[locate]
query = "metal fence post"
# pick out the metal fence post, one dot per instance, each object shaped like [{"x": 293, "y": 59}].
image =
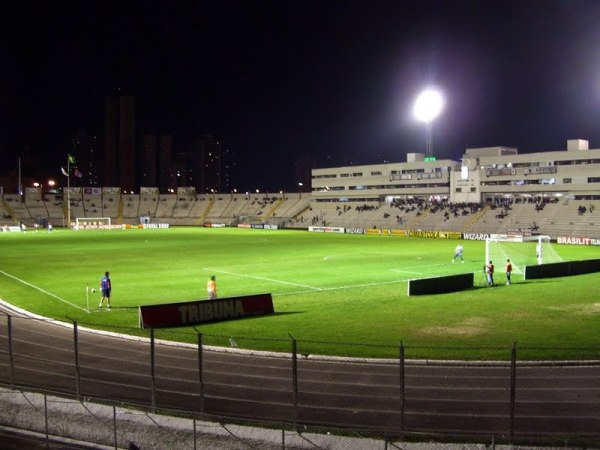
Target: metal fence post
[
  {"x": 115, "y": 427},
  {"x": 294, "y": 369},
  {"x": 201, "y": 370},
  {"x": 402, "y": 383},
  {"x": 46, "y": 427},
  {"x": 152, "y": 371},
  {"x": 194, "y": 433},
  {"x": 513, "y": 383},
  {"x": 11, "y": 359},
  {"x": 77, "y": 368}
]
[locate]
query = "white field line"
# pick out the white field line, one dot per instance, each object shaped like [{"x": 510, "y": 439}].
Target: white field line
[
  {"x": 44, "y": 291},
  {"x": 335, "y": 288},
  {"x": 350, "y": 286},
  {"x": 405, "y": 271},
  {"x": 264, "y": 279}
]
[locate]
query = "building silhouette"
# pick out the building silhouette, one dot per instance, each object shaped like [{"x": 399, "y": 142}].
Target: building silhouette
[
  {"x": 87, "y": 159},
  {"x": 120, "y": 143},
  {"x": 209, "y": 165}
]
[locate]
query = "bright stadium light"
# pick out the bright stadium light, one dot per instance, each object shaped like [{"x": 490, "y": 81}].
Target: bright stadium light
[{"x": 428, "y": 106}]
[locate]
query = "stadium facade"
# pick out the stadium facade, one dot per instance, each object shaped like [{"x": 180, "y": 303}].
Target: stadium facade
[
  {"x": 491, "y": 190},
  {"x": 490, "y": 174}
]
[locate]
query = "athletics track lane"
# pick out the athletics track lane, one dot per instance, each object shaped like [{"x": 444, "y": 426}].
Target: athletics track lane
[{"x": 440, "y": 399}]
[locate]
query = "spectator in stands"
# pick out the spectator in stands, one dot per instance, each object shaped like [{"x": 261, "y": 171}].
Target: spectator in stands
[
  {"x": 211, "y": 288},
  {"x": 508, "y": 269}
]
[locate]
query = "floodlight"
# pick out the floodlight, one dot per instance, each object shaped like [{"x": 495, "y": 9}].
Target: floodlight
[{"x": 428, "y": 105}]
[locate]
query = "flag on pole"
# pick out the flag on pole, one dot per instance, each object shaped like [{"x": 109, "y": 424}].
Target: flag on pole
[
  {"x": 64, "y": 172},
  {"x": 70, "y": 158},
  {"x": 77, "y": 173}
]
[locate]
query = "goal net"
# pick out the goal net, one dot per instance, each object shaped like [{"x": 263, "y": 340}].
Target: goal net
[
  {"x": 521, "y": 250},
  {"x": 86, "y": 223}
]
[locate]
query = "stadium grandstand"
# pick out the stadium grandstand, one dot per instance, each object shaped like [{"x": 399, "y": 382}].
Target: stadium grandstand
[{"x": 491, "y": 190}]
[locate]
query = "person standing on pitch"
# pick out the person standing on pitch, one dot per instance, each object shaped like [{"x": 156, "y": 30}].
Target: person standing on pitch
[
  {"x": 105, "y": 287},
  {"x": 211, "y": 288},
  {"x": 458, "y": 253},
  {"x": 489, "y": 271},
  {"x": 508, "y": 269}
]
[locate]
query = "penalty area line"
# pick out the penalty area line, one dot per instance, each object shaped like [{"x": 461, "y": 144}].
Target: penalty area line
[
  {"x": 312, "y": 288},
  {"x": 43, "y": 291},
  {"x": 340, "y": 288},
  {"x": 406, "y": 271}
]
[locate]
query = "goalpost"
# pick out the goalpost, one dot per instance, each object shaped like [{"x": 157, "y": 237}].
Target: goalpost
[
  {"x": 521, "y": 250},
  {"x": 86, "y": 223}
]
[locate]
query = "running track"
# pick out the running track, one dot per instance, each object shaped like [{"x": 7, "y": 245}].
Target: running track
[{"x": 551, "y": 401}]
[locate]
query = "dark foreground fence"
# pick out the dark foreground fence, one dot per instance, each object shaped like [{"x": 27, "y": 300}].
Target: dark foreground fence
[{"x": 291, "y": 394}]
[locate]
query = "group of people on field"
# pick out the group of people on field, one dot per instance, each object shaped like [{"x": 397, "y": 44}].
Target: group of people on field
[
  {"x": 489, "y": 272},
  {"x": 488, "y": 268},
  {"x": 211, "y": 284},
  {"x": 106, "y": 288}
]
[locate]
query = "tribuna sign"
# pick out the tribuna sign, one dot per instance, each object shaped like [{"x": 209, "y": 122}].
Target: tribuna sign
[{"x": 204, "y": 311}]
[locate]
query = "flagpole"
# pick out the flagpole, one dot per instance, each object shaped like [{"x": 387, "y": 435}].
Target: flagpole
[{"x": 68, "y": 192}]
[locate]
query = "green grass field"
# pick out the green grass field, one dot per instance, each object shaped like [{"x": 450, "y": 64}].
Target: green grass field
[{"x": 336, "y": 294}]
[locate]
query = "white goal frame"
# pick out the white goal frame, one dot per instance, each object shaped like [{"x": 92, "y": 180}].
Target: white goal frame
[
  {"x": 87, "y": 223},
  {"x": 539, "y": 249}
]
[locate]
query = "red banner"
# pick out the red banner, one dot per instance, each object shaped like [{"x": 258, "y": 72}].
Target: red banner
[{"x": 204, "y": 311}]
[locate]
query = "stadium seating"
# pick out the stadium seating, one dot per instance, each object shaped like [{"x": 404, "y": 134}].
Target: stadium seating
[
  {"x": 527, "y": 215},
  {"x": 19, "y": 208},
  {"x": 131, "y": 205},
  {"x": 92, "y": 205},
  {"x": 54, "y": 206},
  {"x": 199, "y": 209},
  {"x": 148, "y": 205},
  {"x": 184, "y": 205},
  {"x": 166, "y": 205}
]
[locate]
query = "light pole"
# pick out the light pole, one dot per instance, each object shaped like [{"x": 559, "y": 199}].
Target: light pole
[{"x": 427, "y": 107}]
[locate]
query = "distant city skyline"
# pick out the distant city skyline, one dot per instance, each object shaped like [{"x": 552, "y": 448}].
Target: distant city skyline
[{"x": 286, "y": 81}]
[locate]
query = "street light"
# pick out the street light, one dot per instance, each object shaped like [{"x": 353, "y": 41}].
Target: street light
[{"x": 427, "y": 107}]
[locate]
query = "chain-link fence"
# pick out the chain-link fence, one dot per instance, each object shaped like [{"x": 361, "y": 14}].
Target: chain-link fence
[{"x": 119, "y": 386}]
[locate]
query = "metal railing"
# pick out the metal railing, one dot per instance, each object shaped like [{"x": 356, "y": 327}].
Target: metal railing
[{"x": 385, "y": 400}]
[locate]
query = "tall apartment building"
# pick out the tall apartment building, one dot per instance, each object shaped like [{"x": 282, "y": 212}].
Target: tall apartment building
[
  {"x": 166, "y": 168},
  {"x": 84, "y": 146},
  {"x": 119, "y": 143},
  {"x": 209, "y": 165},
  {"x": 148, "y": 173}
]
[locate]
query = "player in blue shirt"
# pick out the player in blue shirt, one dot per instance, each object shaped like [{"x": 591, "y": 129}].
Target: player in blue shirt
[{"x": 105, "y": 287}]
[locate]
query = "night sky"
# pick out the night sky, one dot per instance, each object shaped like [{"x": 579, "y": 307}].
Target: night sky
[{"x": 333, "y": 79}]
